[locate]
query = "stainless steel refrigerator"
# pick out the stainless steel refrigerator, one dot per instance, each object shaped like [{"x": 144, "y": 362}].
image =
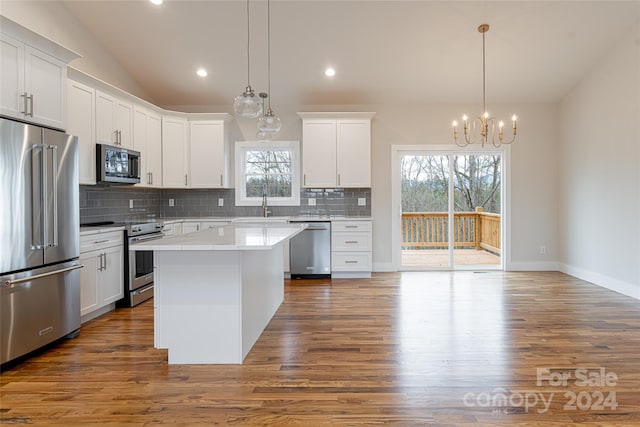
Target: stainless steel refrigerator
[{"x": 39, "y": 238}]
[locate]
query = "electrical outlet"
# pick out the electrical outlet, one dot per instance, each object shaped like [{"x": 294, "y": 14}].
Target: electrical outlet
[
  {"x": 220, "y": 202},
  {"x": 172, "y": 202},
  {"x": 130, "y": 203},
  {"x": 362, "y": 201},
  {"x": 312, "y": 202},
  {"x": 543, "y": 250}
]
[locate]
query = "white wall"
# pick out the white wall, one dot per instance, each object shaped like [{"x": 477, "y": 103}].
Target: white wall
[
  {"x": 54, "y": 21},
  {"x": 599, "y": 205},
  {"x": 533, "y": 173}
]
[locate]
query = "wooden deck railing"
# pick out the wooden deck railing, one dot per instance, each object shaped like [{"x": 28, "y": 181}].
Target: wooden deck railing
[{"x": 477, "y": 229}]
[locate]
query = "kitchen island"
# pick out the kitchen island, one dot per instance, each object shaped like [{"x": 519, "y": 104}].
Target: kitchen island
[{"x": 216, "y": 290}]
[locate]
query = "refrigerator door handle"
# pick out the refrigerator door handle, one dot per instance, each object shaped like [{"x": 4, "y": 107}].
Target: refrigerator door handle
[
  {"x": 54, "y": 197},
  {"x": 8, "y": 283},
  {"x": 38, "y": 197}
]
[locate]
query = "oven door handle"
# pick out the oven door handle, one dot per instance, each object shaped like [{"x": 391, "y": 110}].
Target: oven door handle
[{"x": 145, "y": 238}]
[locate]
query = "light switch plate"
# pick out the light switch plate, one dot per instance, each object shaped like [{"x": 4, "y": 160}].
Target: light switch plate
[
  {"x": 312, "y": 202},
  {"x": 362, "y": 201},
  {"x": 220, "y": 202},
  {"x": 171, "y": 202}
]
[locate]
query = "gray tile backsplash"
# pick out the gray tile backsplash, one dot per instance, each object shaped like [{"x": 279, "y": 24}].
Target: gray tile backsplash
[{"x": 104, "y": 203}]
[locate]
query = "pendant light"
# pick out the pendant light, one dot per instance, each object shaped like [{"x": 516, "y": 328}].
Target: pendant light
[
  {"x": 247, "y": 104},
  {"x": 269, "y": 123},
  {"x": 485, "y": 123}
]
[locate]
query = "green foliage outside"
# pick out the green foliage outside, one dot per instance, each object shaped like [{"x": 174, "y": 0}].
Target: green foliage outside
[{"x": 476, "y": 181}]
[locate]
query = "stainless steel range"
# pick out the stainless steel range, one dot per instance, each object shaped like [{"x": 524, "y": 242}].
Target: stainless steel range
[{"x": 138, "y": 281}]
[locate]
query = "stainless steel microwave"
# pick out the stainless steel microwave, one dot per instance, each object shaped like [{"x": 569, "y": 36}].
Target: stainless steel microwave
[{"x": 116, "y": 165}]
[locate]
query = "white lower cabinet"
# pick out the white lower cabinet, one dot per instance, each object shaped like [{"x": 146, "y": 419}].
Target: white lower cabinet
[
  {"x": 172, "y": 229},
  {"x": 193, "y": 226},
  {"x": 351, "y": 249},
  {"x": 102, "y": 278}
]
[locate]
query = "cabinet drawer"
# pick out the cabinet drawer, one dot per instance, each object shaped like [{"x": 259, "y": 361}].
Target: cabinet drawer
[
  {"x": 342, "y": 241},
  {"x": 205, "y": 225},
  {"x": 92, "y": 242},
  {"x": 351, "y": 261},
  {"x": 351, "y": 226}
]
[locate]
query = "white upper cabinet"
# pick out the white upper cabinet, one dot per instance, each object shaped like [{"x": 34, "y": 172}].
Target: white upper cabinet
[
  {"x": 153, "y": 152},
  {"x": 33, "y": 76},
  {"x": 175, "y": 137},
  {"x": 147, "y": 139},
  {"x": 81, "y": 122},
  {"x": 319, "y": 153},
  {"x": 336, "y": 150},
  {"x": 114, "y": 121},
  {"x": 208, "y": 154},
  {"x": 353, "y": 153}
]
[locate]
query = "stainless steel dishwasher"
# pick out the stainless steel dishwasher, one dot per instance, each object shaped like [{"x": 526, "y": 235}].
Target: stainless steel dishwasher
[{"x": 310, "y": 251}]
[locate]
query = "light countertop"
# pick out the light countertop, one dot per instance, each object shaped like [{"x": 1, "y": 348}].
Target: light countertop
[
  {"x": 99, "y": 229},
  {"x": 225, "y": 238}
]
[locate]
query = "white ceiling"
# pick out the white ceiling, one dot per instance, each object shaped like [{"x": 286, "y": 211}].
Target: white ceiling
[{"x": 384, "y": 52}]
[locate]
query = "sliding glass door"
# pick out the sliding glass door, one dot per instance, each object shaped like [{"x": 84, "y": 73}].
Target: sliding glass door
[{"x": 451, "y": 205}]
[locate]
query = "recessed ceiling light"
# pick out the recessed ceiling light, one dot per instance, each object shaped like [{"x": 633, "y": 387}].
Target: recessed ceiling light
[
  {"x": 202, "y": 72},
  {"x": 329, "y": 72},
  {"x": 158, "y": 2}
]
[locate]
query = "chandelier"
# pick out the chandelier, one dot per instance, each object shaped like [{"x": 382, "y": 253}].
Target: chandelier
[
  {"x": 482, "y": 129},
  {"x": 247, "y": 104}
]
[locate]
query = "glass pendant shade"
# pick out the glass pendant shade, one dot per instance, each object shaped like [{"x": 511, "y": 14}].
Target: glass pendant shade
[
  {"x": 269, "y": 123},
  {"x": 247, "y": 105},
  {"x": 262, "y": 136}
]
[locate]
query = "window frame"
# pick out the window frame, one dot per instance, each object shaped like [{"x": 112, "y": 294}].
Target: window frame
[{"x": 241, "y": 147}]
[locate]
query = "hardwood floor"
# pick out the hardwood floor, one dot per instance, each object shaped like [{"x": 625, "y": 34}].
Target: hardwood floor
[{"x": 398, "y": 349}]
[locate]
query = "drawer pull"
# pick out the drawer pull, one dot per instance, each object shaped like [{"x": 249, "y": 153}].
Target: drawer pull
[
  {"x": 100, "y": 241},
  {"x": 351, "y": 262},
  {"x": 350, "y": 226},
  {"x": 351, "y": 241}
]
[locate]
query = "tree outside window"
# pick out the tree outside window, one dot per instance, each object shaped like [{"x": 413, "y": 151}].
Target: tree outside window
[{"x": 270, "y": 169}]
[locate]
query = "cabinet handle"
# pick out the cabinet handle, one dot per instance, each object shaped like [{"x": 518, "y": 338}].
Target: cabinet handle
[
  {"x": 30, "y": 98},
  {"x": 119, "y": 137},
  {"x": 351, "y": 262},
  {"x": 115, "y": 137},
  {"x": 100, "y": 241},
  {"x": 185, "y": 180},
  {"x": 221, "y": 180},
  {"x": 304, "y": 179},
  {"x": 338, "y": 179},
  {"x": 151, "y": 175},
  {"x": 351, "y": 241},
  {"x": 25, "y": 105},
  {"x": 350, "y": 226},
  {"x": 105, "y": 260}
]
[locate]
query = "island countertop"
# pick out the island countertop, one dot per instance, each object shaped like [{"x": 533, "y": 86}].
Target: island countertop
[{"x": 224, "y": 238}]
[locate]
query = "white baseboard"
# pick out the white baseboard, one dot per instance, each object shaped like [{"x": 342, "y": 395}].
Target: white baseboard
[
  {"x": 625, "y": 288},
  {"x": 384, "y": 267},
  {"x": 533, "y": 266},
  {"x": 99, "y": 312}
]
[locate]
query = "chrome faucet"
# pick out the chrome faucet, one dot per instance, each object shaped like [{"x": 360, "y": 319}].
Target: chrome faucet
[{"x": 265, "y": 208}]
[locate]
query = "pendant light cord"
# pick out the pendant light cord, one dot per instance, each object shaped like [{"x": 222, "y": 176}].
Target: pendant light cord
[
  {"x": 269, "y": 53},
  {"x": 248, "y": 47},
  {"x": 484, "y": 101}
]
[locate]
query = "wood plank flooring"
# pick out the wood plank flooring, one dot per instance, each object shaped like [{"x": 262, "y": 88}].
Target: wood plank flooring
[{"x": 405, "y": 349}]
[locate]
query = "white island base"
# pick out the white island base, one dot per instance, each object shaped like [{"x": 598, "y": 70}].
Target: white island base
[{"x": 211, "y": 306}]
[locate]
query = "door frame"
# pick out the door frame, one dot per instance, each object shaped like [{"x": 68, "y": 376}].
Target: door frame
[{"x": 396, "y": 200}]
